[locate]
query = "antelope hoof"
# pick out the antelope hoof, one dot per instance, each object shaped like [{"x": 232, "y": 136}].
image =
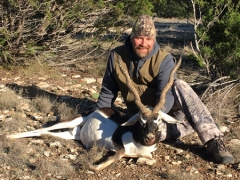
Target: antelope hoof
[{"x": 93, "y": 168}]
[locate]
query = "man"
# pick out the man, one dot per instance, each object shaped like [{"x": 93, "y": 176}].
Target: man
[{"x": 149, "y": 68}]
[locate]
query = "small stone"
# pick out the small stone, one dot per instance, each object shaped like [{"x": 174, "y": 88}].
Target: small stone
[
  {"x": 235, "y": 142},
  {"x": 47, "y": 153},
  {"x": 188, "y": 168},
  {"x": 55, "y": 144},
  {"x": 89, "y": 172},
  {"x": 177, "y": 163},
  {"x": 43, "y": 85},
  {"x": 76, "y": 76},
  {"x": 188, "y": 156},
  {"x": 89, "y": 80},
  {"x": 32, "y": 160},
  {"x": 167, "y": 157},
  {"x": 16, "y": 78},
  {"x": 229, "y": 175},
  {"x": 224, "y": 129},
  {"x": 178, "y": 151},
  {"x": 76, "y": 86},
  {"x": 72, "y": 157},
  {"x": 42, "y": 78},
  {"x": 118, "y": 174},
  {"x": 37, "y": 141},
  {"x": 60, "y": 88},
  {"x": 99, "y": 80}
]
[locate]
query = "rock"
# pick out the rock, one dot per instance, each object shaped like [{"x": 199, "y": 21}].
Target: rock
[
  {"x": 75, "y": 86},
  {"x": 177, "y": 163},
  {"x": 42, "y": 78},
  {"x": 167, "y": 157},
  {"x": 76, "y": 76},
  {"x": 118, "y": 174},
  {"x": 224, "y": 129},
  {"x": 89, "y": 80},
  {"x": 55, "y": 144},
  {"x": 188, "y": 156},
  {"x": 72, "y": 157},
  {"x": 43, "y": 85},
  {"x": 47, "y": 153},
  {"x": 178, "y": 151},
  {"x": 146, "y": 161},
  {"x": 60, "y": 88},
  {"x": 24, "y": 107},
  {"x": 235, "y": 142},
  {"x": 37, "y": 141},
  {"x": 89, "y": 172},
  {"x": 191, "y": 170},
  {"x": 99, "y": 80},
  {"x": 16, "y": 78}
]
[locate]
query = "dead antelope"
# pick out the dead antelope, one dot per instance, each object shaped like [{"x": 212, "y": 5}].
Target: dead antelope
[{"x": 135, "y": 138}]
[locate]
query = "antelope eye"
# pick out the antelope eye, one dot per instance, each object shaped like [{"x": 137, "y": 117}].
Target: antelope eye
[{"x": 156, "y": 118}]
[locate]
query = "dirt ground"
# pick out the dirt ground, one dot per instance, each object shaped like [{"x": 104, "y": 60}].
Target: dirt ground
[{"x": 53, "y": 158}]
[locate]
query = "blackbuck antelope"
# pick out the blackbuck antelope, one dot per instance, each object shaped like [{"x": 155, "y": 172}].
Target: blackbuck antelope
[{"x": 135, "y": 138}]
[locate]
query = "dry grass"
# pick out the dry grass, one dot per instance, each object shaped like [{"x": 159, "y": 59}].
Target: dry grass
[
  {"x": 13, "y": 153},
  {"x": 9, "y": 100},
  {"x": 223, "y": 100},
  {"x": 64, "y": 111},
  {"x": 93, "y": 155},
  {"x": 45, "y": 104},
  {"x": 42, "y": 104},
  {"x": 100, "y": 67},
  {"x": 40, "y": 68}
]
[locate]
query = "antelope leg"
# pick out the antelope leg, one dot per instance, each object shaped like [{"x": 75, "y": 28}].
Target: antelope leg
[{"x": 96, "y": 168}]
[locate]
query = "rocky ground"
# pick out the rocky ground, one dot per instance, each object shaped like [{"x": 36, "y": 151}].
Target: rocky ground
[{"x": 53, "y": 158}]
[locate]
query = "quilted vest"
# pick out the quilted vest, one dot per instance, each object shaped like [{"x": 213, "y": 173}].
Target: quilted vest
[{"x": 146, "y": 83}]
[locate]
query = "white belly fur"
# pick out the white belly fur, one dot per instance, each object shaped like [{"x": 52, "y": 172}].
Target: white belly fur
[{"x": 99, "y": 129}]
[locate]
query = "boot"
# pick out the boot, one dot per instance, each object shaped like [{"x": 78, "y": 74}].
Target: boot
[{"x": 217, "y": 148}]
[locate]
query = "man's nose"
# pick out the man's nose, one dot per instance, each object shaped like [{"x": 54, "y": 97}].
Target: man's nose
[{"x": 143, "y": 42}]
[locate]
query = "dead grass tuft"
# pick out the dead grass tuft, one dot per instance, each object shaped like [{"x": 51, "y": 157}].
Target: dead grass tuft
[
  {"x": 42, "y": 104},
  {"x": 223, "y": 100},
  {"x": 14, "y": 123},
  {"x": 93, "y": 155},
  {"x": 40, "y": 68},
  {"x": 64, "y": 111},
  {"x": 13, "y": 152},
  {"x": 176, "y": 173},
  {"x": 8, "y": 100},
  {"x": 53, "y": 167},
  {"x": 100, "y": 67}
]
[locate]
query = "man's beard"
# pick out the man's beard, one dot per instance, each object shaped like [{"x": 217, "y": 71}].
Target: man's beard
[{"x": 142, "y": 54}]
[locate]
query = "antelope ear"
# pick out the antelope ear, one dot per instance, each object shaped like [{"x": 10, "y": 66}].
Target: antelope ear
[
  {"x": 169, "y": 119},
  {"x": 132, "y": 120}
]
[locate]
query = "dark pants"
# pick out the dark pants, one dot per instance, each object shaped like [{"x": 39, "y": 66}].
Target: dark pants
[{"x": 198, "y": 117}]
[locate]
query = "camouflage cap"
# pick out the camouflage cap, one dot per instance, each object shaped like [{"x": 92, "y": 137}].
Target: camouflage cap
[{"x": 144, "y": 26}]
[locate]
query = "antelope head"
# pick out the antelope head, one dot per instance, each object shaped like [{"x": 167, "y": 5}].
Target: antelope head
[{"x": 153, "y": 115}]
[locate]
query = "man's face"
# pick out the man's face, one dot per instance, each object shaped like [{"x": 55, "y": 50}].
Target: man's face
[{"x": 142, "y": 45}]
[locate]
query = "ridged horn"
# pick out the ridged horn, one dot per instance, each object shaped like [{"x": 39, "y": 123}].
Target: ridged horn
[
  {"x": 143, "y": 109},
  {"x": 162, "y": 100}
]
